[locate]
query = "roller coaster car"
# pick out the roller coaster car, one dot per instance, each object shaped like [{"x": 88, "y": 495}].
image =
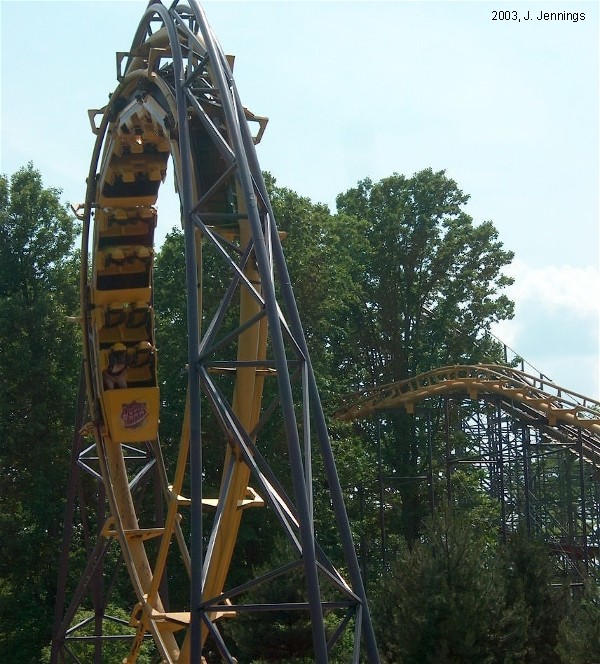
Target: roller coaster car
[
  {"x": 131, "y": 414},
  {"x": 137, "y": 223},
  {"x": 123, "y": 267},
  {"x": 123, "y": 321}
]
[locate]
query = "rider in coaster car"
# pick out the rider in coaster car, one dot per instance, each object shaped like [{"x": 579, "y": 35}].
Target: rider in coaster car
[{"x": 115, "y": 376}]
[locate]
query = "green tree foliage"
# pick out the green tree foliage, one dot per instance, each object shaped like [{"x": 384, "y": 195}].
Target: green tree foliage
[
  {"x": 273, "y": 637},
  {"x": 114, "y": 624},
  {"x": 171, "y": 335},
  {"x": 529, "y": 576},
  {"x": 39, "y": 364},
  {"x": 433, "y": 279},
  {"x": 171, "y": 324},
  {"x": 458, "y": 597},
  {"x": 442, "y": 602},
  {"x": 398, "y": 281},
  {"x": 579, "y": 636},
  {"x": 431, "y": 287},
  {"x": 324, "y": 254},
  {"x": 283, "y": 637}
]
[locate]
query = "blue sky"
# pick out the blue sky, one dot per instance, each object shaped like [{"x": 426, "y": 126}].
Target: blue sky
[{"x": 510, "y": 109}]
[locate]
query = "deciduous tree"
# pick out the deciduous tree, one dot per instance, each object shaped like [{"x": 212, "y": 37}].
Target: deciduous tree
[
  {"x": 433, "y": 279},
  {"x": 432, "y": 286},
  {"x": 39, "y": 365}
]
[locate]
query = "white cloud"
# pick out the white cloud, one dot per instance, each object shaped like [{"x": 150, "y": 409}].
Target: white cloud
[
  {"x": 572, "y": 290},
  {"x": 557, "y": 323}
]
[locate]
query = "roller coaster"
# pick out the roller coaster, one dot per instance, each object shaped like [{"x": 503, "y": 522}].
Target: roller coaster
[
  {"x": 176, "y": 100},
  {"x": 536, "y": 446},
  {"x": 564, "y": 415}
]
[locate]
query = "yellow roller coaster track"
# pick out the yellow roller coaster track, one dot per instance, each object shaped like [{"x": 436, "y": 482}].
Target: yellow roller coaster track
[
  {"x": 139, "y": 131},
  {"x": 537, "y": 399}
]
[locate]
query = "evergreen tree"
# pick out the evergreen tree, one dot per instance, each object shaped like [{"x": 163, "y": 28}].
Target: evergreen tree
[
  {"x": 579, "y": 633},
  {"x": 442, "y": 602},
  {"x": 529, "y": 576}
]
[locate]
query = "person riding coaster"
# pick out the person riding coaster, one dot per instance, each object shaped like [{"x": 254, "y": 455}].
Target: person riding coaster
[{"x": 115, "y": 376}]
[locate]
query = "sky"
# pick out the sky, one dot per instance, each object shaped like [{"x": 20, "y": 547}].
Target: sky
[{"x": 509, "y": 108}]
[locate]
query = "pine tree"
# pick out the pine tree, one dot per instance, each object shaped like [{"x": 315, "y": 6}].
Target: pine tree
[
  {"x": 579, "y": 633},
  {"x": 442, "y": 601}
]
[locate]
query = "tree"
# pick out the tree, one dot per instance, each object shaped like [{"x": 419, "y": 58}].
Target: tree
[
  {"x": 431, "y": 287},
  {"x": 579, "y": 636},
  {"x": 433, "y": 279},
  {"x": 443, "y": 601},
  {"x": 171, "y": 334},
  {"x": 325, "y": 259},
  {"x": 323, "y": 254},
  {"x": 283, "y": 637},
  {"x": 114, "y": 649},
  {"x": 529, "y": 576},
  {"x": 39, "y": 364}
]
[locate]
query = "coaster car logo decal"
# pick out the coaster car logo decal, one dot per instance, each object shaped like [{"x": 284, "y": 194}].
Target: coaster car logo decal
[{"x": 134, "y": 414}]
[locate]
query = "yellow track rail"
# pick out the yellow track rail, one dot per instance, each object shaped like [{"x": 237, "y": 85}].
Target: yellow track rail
[
  {"x": 552, "y": 404},
  {"x": 136, "y": 138}
]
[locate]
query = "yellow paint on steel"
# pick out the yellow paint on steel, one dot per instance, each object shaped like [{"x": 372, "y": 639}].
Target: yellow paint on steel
[
  {"x": 148, "y": 611},
  {"x": 116, "y": 305},
  {"x": 121, "y": 279},
  {"x": 557, "y": 404},
  {"x": 247, "y": 397}
]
